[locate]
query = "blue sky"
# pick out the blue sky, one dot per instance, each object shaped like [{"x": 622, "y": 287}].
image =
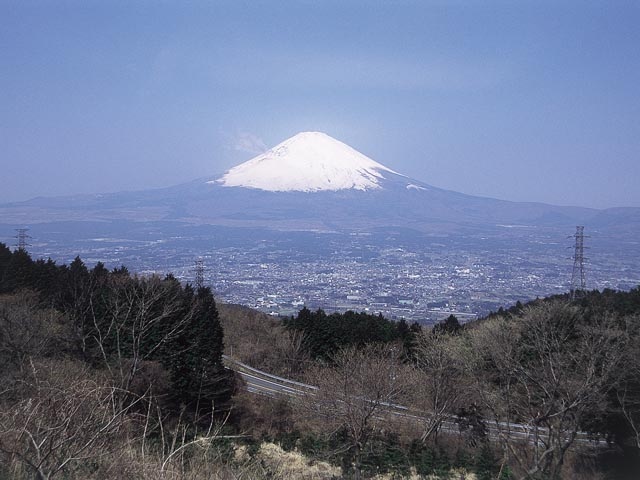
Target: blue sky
[{"x": 519, "y": 100}]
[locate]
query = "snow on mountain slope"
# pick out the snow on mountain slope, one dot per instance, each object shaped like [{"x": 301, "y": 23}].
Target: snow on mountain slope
[{"x": 307, "y": 162}]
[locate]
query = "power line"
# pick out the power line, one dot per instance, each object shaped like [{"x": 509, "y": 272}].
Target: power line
[
  {"x": 578, "y": 277},
  {"x": 198, "y": 270},
  {"x": 22, "y": 237}
]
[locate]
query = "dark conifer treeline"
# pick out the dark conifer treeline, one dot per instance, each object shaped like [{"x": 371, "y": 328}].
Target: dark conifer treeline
[
  {"x": 325, "y": 334},
  {"x": 119, "y": 319}
]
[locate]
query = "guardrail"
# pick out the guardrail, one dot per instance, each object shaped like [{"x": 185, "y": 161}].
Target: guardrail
[
  {"x": 451, "y": 423},
  {"x": 261, "y": 373}
]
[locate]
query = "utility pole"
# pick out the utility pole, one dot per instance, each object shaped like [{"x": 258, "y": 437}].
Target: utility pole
[
  {"x": 578, "y": 279},
  {"x": 198, "y": 270},
  {"x": 22, "y": 237}
]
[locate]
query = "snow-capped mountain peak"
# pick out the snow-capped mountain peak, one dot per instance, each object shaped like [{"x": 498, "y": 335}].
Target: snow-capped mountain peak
[{"x": 307, "y": 162}]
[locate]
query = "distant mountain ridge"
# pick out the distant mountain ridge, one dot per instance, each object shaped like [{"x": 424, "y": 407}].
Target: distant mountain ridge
[{"x": 314, "y": 182}]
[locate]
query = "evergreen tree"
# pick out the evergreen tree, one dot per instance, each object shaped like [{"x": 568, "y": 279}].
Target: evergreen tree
[
  {"x": 198, "y": 376},
  {"x": 450, "y": 325},
  {"x": 5, "y": 257},
  {"x": 325, "y": 334},
  {"x": 19, "y": 272},
  {"x": 486, "y": 463},
  {"x": 123, "y": 271},
  {"x": 99, "y": 270},
  {"x": 46, "y": 279}
]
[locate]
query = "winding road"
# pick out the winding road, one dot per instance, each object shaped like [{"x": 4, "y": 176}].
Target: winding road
[{"x": 263, "y": 383}]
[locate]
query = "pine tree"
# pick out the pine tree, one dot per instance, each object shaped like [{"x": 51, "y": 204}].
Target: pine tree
[
  {"x": 5, "y": 257},
  {"x": 19, "y": 272},
  {"x": 450, "y": 325},
  {"x": 47, "y": 278},
  {"x": 198, "y": 376}
]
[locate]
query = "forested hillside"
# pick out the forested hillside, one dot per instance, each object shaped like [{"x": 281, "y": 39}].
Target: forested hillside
[
  {"x": 94, "y": 357},
  {"x": 107, "y": 374}
]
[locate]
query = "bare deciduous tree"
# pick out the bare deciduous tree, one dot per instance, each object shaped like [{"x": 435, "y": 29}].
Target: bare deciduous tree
[
  {"x": 291, "y": 350},
  {"x": 26, "y": 330},
  {"x": 133, "y": 312},
  {"x": 628, "y": 388},
  {"x": 438, "y": 381},
  {"x": 543, "y": 374},
  {"x": 58, "y": 413},
  {"x": 354, "y": 394}
]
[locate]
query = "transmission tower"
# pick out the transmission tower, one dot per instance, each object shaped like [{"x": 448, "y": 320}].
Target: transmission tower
[
  {"x": 22, "y": 237},
  {"x": 578, "y": 279},
  {"x": 198, "y": 270}
]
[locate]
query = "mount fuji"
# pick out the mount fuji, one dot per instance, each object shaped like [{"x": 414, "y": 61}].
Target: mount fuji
[
  {"x": 308, "y": 162},
  {"x": 313, "y": 182}
]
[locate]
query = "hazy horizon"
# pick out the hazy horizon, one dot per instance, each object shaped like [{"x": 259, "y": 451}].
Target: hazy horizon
[{"x": 535, "y": 101}]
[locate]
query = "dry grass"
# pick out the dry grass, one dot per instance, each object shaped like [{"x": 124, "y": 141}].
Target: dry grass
[
  {"x": 455, "y": 474},
  {"x": 282, "y": 464}
]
